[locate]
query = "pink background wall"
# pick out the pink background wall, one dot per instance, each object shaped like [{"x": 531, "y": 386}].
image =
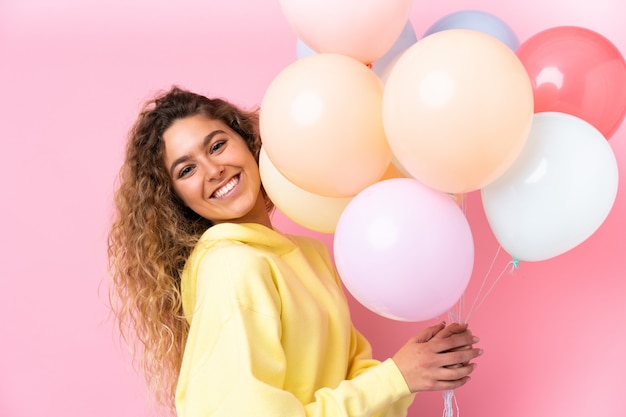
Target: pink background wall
[{"x": 72, "y": 76}]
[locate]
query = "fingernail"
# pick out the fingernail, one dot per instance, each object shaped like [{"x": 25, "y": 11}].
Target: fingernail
[
  {"x": 475, "y": 339},
  {"x": 480, "y": 352}
]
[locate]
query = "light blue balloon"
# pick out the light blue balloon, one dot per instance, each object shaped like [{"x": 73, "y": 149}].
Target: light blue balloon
[
  {"x": 302, "y": 50},
  {"x": 406, "y": 38},
  {"x": 479, "y": 21}
]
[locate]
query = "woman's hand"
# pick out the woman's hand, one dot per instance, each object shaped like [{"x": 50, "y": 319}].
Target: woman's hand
[{"x": 438, "y": 358}]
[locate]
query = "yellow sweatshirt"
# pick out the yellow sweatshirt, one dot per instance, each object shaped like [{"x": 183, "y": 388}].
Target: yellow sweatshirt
[{"x": 271, "y": 334}]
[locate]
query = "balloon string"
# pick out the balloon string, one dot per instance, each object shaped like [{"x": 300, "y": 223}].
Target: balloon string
[
  {"x": 455, "y": 313},
  {"x": 450, "y": 404},
  {"x": 455, "y": 316},
  {"x": 448, "y": 409},
  {"x": 513, "y": 264},
  {"x": 482, "y": 285}
]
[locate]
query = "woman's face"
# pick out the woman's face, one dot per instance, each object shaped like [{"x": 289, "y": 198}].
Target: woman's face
[{"x": 213, "y": 171}]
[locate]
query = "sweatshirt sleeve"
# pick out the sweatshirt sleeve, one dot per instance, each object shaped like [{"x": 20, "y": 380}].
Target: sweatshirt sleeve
[
  {"x": 361, "y": 360},
  {"x": 234, "y": 364}
]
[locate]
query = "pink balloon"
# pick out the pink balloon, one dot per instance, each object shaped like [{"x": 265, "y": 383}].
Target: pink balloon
[
  {"x": 362, "y": 29},
  {"x": 404, "y": 250},
  {"x": 577, "y": 71}
]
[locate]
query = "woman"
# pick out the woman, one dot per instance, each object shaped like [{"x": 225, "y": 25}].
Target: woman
[{"x": 233, "y": 317}]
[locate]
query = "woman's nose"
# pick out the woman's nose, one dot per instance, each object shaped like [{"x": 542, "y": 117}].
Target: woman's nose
[{"x": 213, "y": 170}]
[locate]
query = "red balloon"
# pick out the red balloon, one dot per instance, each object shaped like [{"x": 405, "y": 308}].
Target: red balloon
[{"x": 577, "y": 71}]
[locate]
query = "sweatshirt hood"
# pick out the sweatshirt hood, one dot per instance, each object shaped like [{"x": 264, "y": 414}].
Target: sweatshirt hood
[{"x": 252, "y": 234}]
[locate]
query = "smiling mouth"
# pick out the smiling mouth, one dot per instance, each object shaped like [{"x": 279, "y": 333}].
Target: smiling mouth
[{"x": 222, "y": 191}]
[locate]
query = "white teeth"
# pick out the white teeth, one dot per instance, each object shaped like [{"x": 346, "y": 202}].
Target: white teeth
[{"x": 226, "y": 188}]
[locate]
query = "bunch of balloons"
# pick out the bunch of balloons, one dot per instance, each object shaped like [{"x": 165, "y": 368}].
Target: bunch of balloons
[
  {"x": 368, "y": 135},
  {"x": 562, "y": 187}
]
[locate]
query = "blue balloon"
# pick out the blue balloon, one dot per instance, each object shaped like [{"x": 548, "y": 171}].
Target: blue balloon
[
  {"x": 479, "y": 21},
  {"x": 302, "y": 50},
  {"x": 406, "y": 38}
]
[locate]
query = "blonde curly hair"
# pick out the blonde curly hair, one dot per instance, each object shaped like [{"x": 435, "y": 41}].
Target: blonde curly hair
[{"x": 153, "y": 233}]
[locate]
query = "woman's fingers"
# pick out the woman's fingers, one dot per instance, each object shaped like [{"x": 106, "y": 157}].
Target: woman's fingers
[
  {"x": 430, "y": 332},
  {"x": 462, "y": 357},
  {"x": 450, "y": 343},
  {"x": 455, "y": 376},
  {"x": 452, "y": 329},
  {"x": 446, "y": 379},
  {"x": 438, "y": 358}
]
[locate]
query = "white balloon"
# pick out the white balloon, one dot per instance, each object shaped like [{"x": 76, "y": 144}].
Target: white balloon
[{"x": 557, "y": 193}]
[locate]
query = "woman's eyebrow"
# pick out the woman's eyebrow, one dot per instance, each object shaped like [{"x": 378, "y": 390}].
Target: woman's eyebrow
[{"x": 184, "y": 158}]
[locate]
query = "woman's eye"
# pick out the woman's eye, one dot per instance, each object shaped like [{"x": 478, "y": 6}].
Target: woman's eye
[
  {"x": 185, "y": 171},
  {"x": 217, "y": 146}
]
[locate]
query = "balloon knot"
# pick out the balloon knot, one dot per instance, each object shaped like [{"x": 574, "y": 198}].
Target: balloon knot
[
  {"x": 369, "y": 65},
  {"x": 514, "y": 263}
]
